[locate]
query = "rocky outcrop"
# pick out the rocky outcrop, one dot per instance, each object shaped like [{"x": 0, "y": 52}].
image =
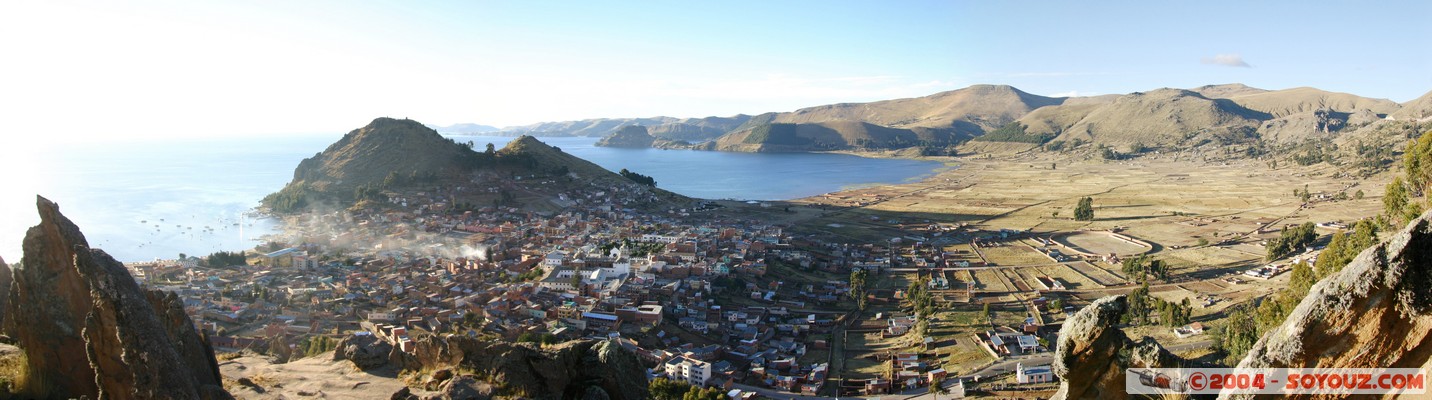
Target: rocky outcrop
[
  {"x": 365, "y": 351},
  {"x": 1093, "y": 353},
  {"x": 577, "y": 369},
  {"x": 88, "y": 330},
  {"x": 1375, "y": 313},
  {"x": 5, "y": 279}
]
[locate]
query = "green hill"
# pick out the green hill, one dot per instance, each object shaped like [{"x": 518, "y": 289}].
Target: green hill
[{"x": 391, "y": 153}]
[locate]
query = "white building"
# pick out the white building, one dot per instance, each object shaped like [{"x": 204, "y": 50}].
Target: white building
[
  {"x": 694, "y": 372},
  {"x": 1040, "y": 374},
  {"x": 650, "y": 238},
  {"x": 554, "y": 259}
]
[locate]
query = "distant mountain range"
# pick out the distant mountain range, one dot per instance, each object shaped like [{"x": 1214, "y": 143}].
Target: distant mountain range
[{"x": 1165, "y": 119}]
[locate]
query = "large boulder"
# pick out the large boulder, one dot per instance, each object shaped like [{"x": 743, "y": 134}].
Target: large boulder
[
  {"x": 573, "y": 369},
  {"x": 366, "y": 351},
  {"x": 1093, "y": 353},
  {"x": 88, "y": 330},
  {"x": 1374, "y": 313},
  {"x": 466, "y": 387}
]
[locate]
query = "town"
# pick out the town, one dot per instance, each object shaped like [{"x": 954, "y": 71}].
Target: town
[{"x": 706, "y": 299}]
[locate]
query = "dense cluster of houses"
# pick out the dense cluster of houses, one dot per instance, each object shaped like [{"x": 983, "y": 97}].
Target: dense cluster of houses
[{"x": 429, "y": 264}]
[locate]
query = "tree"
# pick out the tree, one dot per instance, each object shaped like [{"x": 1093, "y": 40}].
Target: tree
[
  {"x": 989, "y": 316},
  {"x": 490, "y": 151},
  {"x": 1358, "y": 195},
  {"x": 704, "y": 394},
  {"x": 666, "y": 389},
  {"x": 858, "y": 283},
  {"x": 937, "y": 386},
  {"x": 638, "y": 178},
  {"x": 1085, "y": 210}
]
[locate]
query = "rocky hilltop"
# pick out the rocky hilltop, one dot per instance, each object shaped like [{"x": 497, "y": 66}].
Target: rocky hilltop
[
  {"x": 391, "y": 154},
  {"x": 385, "y": 146},
  {"x": 583, "y": 369},
  {"x": 1374, "y": 313},
  {"x": 87, "y": 330}
]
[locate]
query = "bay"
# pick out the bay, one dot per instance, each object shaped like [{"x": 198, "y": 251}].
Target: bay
[{"x": 154, "y": 199}]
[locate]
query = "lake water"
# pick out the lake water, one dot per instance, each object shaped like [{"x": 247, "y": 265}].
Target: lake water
[{"x": 155, "y": 199}]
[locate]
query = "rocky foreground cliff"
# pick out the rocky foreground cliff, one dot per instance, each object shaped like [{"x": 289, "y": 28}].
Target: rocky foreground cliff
[
  {"x": 471, "y": 368},
  {"x": 1374, "y": 313},
  {"x": 87, "y": 330}
]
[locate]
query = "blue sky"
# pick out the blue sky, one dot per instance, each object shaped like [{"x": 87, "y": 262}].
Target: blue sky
[{"x": 167, "y": 68}]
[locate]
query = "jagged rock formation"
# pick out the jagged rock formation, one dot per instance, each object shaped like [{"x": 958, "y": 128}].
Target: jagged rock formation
[
  {"x": 1090, "y": 357},
  {"x": 569, "y": 370},
  {"x": 88, "y": 330},
  {"x": 365, "y": 351},
  {"x": 5, "y": 279},
  {"x": 1375, "y": 313}
]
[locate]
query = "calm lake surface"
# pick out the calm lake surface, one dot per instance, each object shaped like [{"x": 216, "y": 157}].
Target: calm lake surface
[{"x": 155, "y": 199}]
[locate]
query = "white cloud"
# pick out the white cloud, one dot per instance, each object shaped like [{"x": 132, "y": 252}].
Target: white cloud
[{"x": 1227, "y": 60}]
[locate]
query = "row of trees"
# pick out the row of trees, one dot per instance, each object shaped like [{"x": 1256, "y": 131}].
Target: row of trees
[
  {"x": 1405, "y": 198},
  {"x": 923, "y": 302},
  {"x": 1143, "y": 267},
  {"x": 1291, "y": 240},
  {"x": 1142, "y": 307},
  {"x": 226, "y": 258},
  {"x": 859, "y": 280},
  {"x": 638, "y": 178},
  {"x": 316, "y": 345},
  {"x": 667, "y": 389}
]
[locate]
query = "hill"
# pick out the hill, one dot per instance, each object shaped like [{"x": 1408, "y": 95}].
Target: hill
[
  {"x": 1418, "y": 109},
  {"x": 391, "y": 154},
  {"x": 628, "y": 136},
  {"x": 969, "y": 111},
  {"x": 368, "y": 156},
  {"x": 833, "y": 135},
  {"x": 465, "y": 129},
  {"x": 1226, "y": 90},
  {"x": 688, "y": 129},
  {"x": 1281, "y": 103},
  {"x": 1160, "y": 118}
]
